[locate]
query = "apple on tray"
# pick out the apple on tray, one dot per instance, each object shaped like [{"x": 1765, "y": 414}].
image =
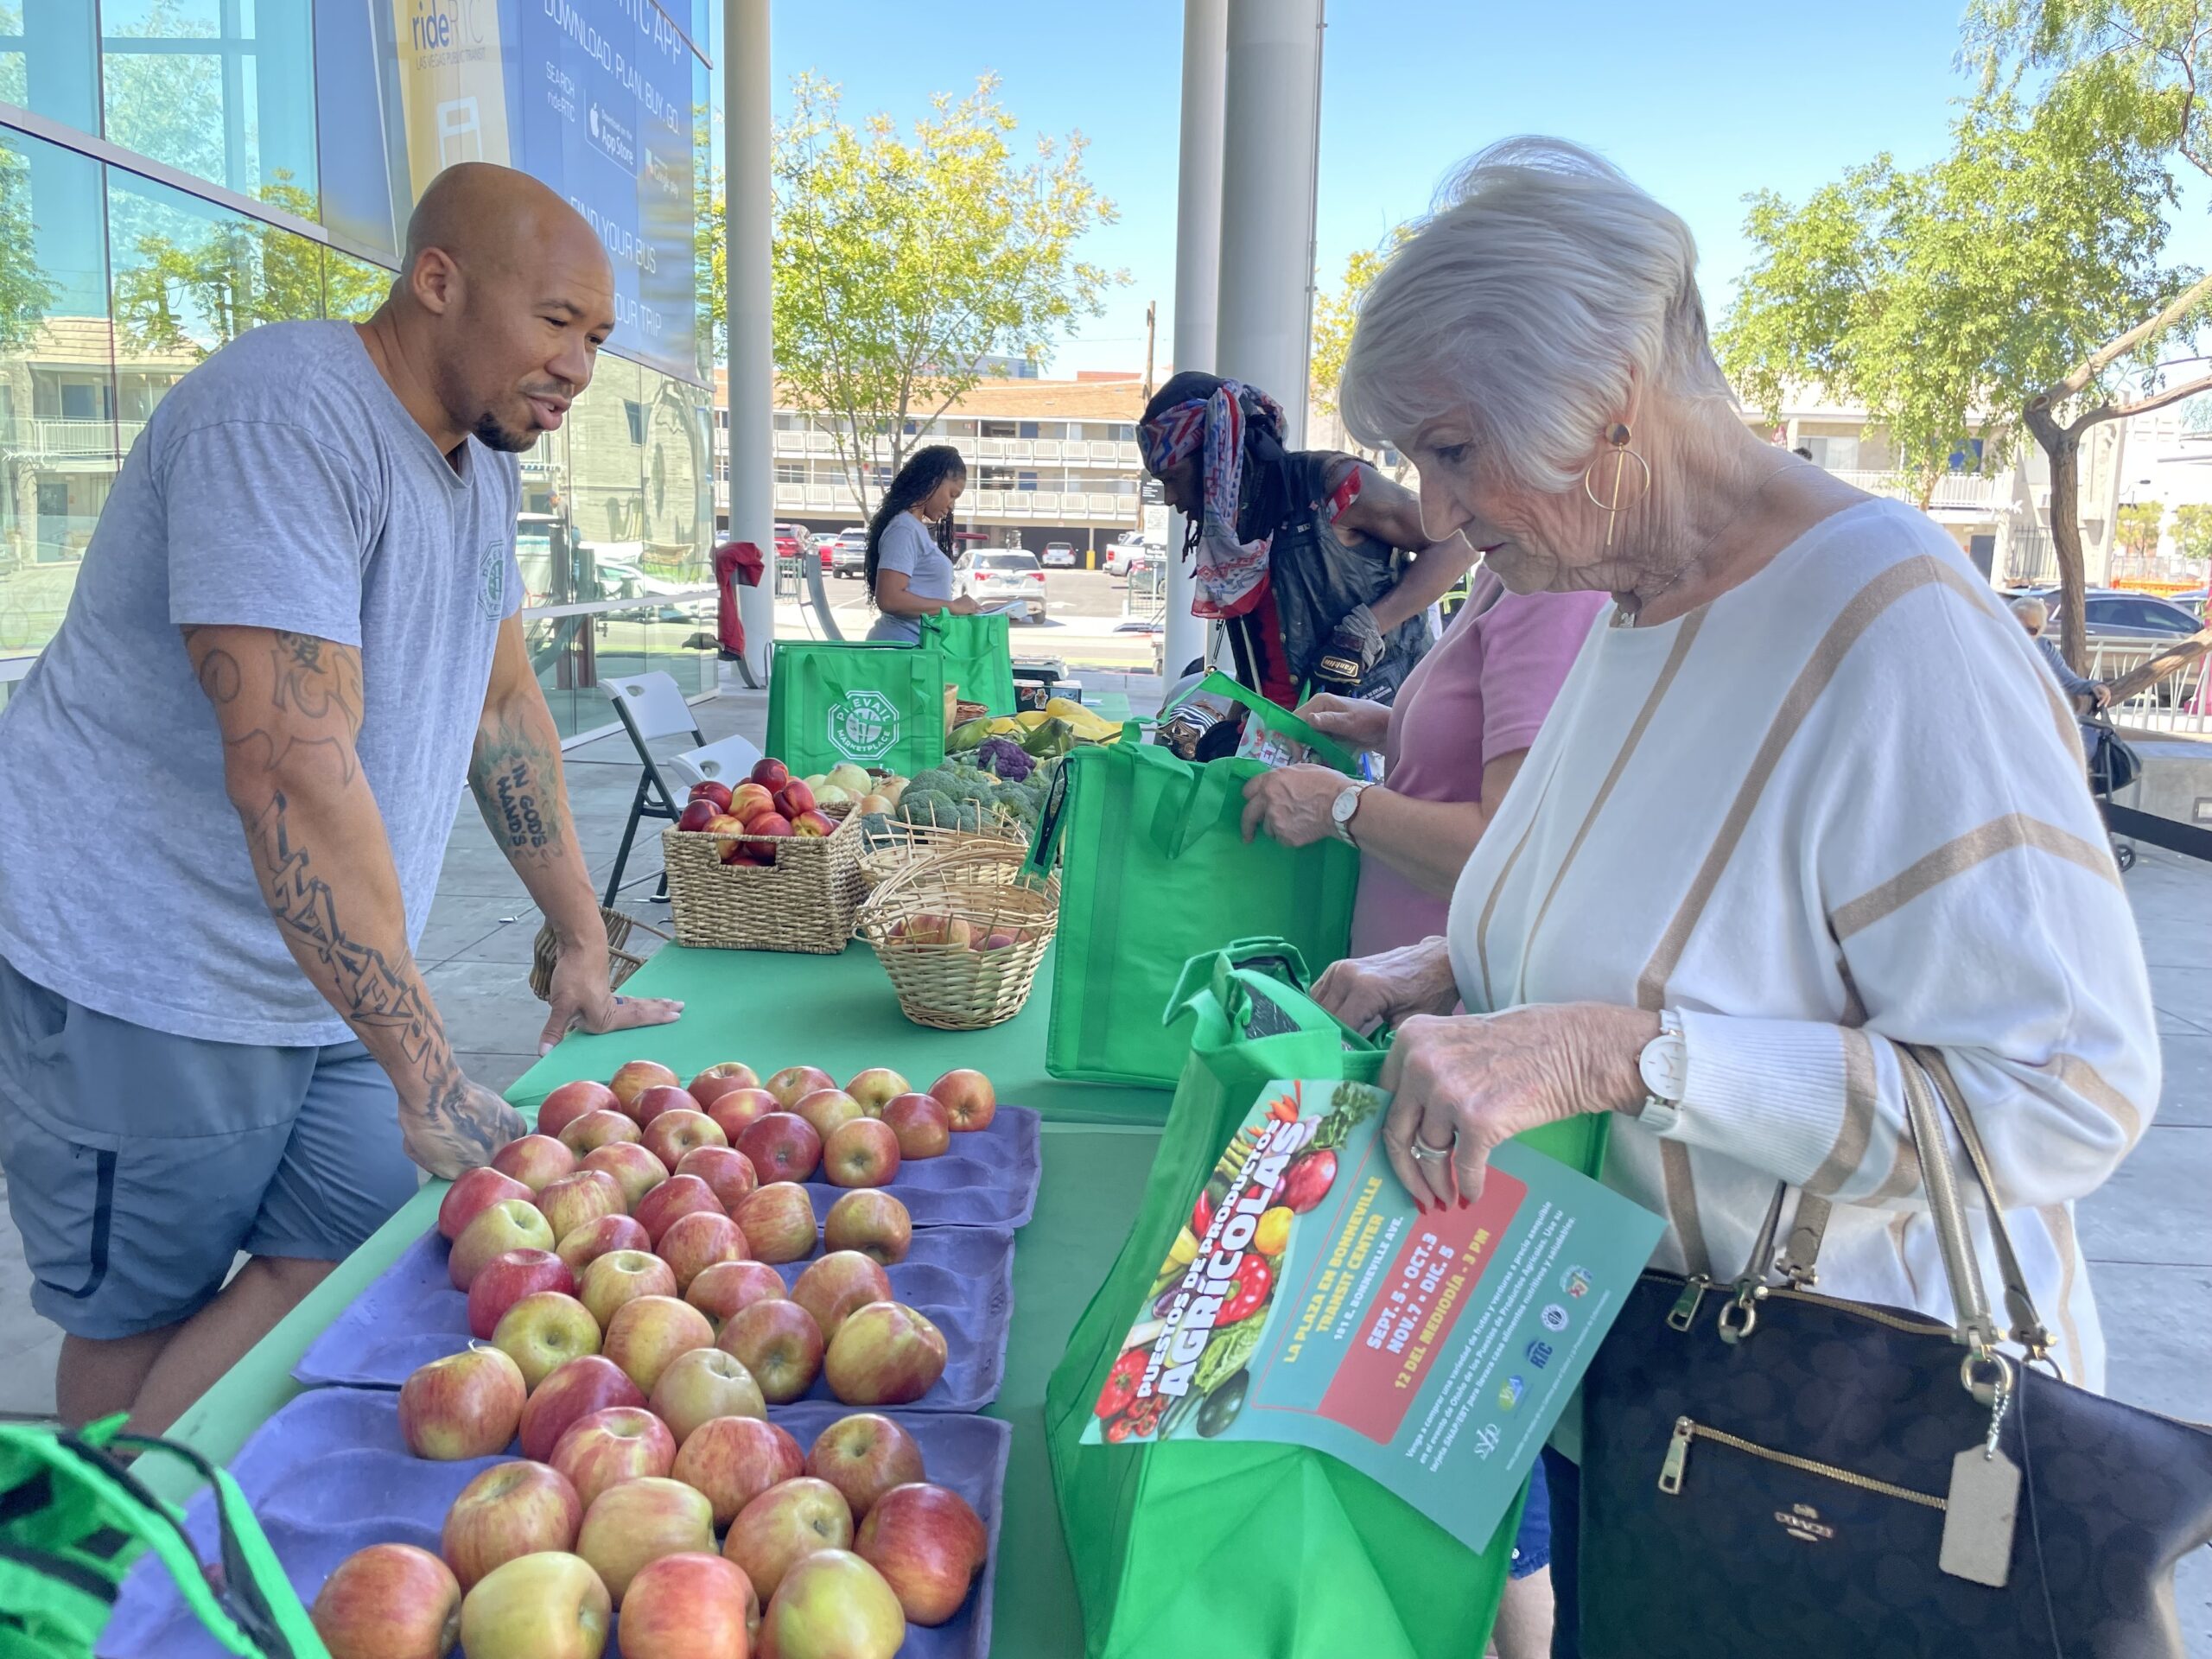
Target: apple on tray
[
  {"x": 794, "y": 1083},
  {"x": 701, "y": 1385},
  {"x": 781, "y": 1344},
  {"x": 587, "y": 1133},
  {"x": 506, "y": 1279},
  {"x": 466, "y": 1405},
  {"x": 576, "y": 1200},
  {"x": 970, "y": 1100},
  {"x": 634, "y": 1078},
  {"x": 647, "y": 1332},
  {"x": 782, "y": 1147},
  {"x": 543, "y": 1330},
  {"x": 736, "y": 1110},
  {"x": 509, "y": 1225},
  {"x": 676, "y": 1131},
  {"x": 536, "y": 1160},
  {"x": 570, "y": 1102},
  {"x": 687, "y": 1606},
  {"x": 929, "y": 1544},
  {"x": 679, "y": 1195},
  {"x": 734, "y": 1459},
  {"x": 728, "y": 1173},
  {"x": 922, "y": 1124},
  {"x": 825, "y": 1109},
  {"x": 473, "y": 1193},
  {"x": 832, "y": 1604},
  {"x": 785, "y": 1524},
  {"x": 862, "y": 1152},
  {"x": 639, "y": 1522},
  {"x": 864, "y": 1456},
  {"x": 389, "y": 1601},
  {"x": 883, "y": 1354},
  {"x": 871, "y": 1220},
  {"x": 698, "y": 1241},
  {"x": 660, "y": 1099},
  {"x": 635, "y": 1171},
  {"x": 723, "y": 1289},
  {"x": 606, "y": 1447},
  {"x": 833, "y": 1287},
  {"x": 588, "y": 1243},
  {"x": 576, "y": 1389},
  {"x": 620, "y": 1277},
  {"x": 718, "y": 1079},
  {"x": 548, "y": 1605},
  {"x": 777, "y": 1221},
  {"x": 876, "y": 1088},
  {"x": 510, "y": 1510}
]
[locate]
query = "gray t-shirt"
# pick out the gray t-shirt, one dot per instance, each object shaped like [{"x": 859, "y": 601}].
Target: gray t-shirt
[
  {"x": 280, "y": 485},
  {"x": 908, "y": 547}
]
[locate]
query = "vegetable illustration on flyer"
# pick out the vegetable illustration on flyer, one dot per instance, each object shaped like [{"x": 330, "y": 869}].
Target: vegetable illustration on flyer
[{"x": 1307, "y": 1300}]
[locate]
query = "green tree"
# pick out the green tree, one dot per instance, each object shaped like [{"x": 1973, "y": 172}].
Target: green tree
[
  {"x": 167, "y": 104},
  {"x": 2193, "y": 532},
  {"x": 900, "y": 263},
  {"x": 1336, "y": 315},
  {"x": 26, "y": 292},
  {"x": 2136, "y": 533}
]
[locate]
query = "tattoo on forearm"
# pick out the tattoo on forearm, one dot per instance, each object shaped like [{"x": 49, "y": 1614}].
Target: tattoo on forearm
[{"x": 515, "y": 778}]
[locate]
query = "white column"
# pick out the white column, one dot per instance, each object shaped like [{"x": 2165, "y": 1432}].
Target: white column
[
  {"x": 1197, "y": 266},
  {"x": 746, "y": 128}
]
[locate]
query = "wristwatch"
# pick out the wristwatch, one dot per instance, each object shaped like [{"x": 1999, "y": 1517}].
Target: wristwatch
[
  {"x": 1343, "y": 806},
  {"x": 1665, "y": 1065}
]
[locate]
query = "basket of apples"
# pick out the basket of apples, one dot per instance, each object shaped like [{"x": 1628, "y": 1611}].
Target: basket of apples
[
  {"x": 962, "y": 932},
  {"x": 762, "y": 867}
]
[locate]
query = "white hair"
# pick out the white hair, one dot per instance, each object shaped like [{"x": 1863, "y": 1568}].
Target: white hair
[
  {"x": 2033, "y": 614},
  {"x": 1541, "y": 277}
]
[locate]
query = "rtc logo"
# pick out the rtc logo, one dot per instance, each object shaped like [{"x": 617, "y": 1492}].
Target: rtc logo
[{"x": 864, "y": 726}]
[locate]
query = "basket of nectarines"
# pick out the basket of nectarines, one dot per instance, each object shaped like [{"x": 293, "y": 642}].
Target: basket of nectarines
[{"x": 961, "y": 932}]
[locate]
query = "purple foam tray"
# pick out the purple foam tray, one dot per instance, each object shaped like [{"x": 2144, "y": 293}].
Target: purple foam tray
[
  {"x": 988, "y": 1177},
  {"x": 328, "y": 1475},
  {"x": 961, "y": 1278}
]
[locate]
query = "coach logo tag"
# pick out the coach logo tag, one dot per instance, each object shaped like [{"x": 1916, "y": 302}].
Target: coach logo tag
[
  {"x": 1978, "y": 1520},
  {"x": 1803, "y": 1522}
]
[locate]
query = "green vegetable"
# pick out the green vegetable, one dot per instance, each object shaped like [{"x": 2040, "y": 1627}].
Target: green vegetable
[
  {"x": 1051, "y": 738},
  {"x": 969, "y": 734},
  {"x": 925, "y": 806},
  {"x": 1227, "y": 1353},
  {"x": 1224, "y": 1403},
  {"x": 1352, "y": 1104}
]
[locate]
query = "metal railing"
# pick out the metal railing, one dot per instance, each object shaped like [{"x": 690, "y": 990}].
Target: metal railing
[{"x": 1954, "y": 491}]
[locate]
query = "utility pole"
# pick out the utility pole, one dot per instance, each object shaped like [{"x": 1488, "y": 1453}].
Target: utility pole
[{"x": 1151, "y": 314}]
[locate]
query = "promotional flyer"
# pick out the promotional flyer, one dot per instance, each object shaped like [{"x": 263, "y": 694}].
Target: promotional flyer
[{"x": 1307, "y": 1300}]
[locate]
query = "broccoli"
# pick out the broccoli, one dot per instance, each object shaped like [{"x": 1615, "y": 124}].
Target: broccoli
[
  {"x": 937, "y": 778},
  {"x": 927, "y": 806}
]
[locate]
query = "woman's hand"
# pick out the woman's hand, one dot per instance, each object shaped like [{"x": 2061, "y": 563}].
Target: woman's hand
[
  {"x": 1368, "y": 992},
  {"x": 1360, "y": 722},
  {"x": 1469, "y": 1082},
  {"x": 965, "y": 605},
  {"x": 1292, "y": 803}
]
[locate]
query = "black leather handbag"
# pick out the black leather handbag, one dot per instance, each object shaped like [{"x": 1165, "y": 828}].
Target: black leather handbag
[{"x": 1769, "y": 1471}]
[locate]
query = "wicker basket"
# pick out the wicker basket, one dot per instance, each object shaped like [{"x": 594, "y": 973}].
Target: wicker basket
[
  {"x": 805, "y": 901},
  {"x": 955, "y": 987},
  {"x": 887, "y": 851},
  {"x": 620, "y": 962}
]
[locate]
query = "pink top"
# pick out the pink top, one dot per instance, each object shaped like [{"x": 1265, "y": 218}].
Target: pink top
[{"x": 1481, "y": 693}]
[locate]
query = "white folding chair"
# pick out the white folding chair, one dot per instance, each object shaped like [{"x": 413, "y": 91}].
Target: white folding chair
[
  {"x": 726, "y": 762},
  {"x": 650, "y": 706}
]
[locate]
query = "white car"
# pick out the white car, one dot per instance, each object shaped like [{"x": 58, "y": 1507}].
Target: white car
[
  {"x": 999, "y": 577},
  {"x": 1060, "y": 556},
  {"x": 1124, "y": 559},
  {"x": 848, "y": 553}
]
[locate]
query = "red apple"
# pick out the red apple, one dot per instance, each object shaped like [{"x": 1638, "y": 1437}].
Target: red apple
[
  {"x": 780, "y": 1345},
  {"x": 701, "y": 1385},
  {"x": 832, "y": 1603},
  {"x": 536, "y": 1160},
  {"x": 606, "y": 1447},
  {"x": 674, "y": 1132},
  {"x": 506, "y": 1279},
  {"x": 550, "y": 1605},
  {"x": 728, "y": 1172},
  {"x": 719, "y": 1079},
  {"x": 796, "y": 795},
  {"x": 864, "y": 1456},
  {"x": 734, "y": 1459},
  {"x": 578, "y": 1200},
  {"x": 827, "y": 1109},
  {"x": 510, "y": 1224},
  {"x": 928, "y": 1544},
  {"x": 662, "y": 1097},
  {"x": 728, "y": 1287},
  {"x": 679, "y": 1195},
  {"x": 784, "y": 1524},
  {"x": 639, "y": 1522},
  {"x": 922, "y": 1124},
  {"x": 771, "y": 774},
  {"x": 883, "y": 1354},
  {"x": 876, "y": 1088},
  {"x": 576, "y": 1389},
  {"x": 831, "y": 1289},
  {"x": 783, "y": 1146},
  {"x": 750, "y": 801},
  {"x": 697, "y": 814},
  {"x": 570, "y": 1102},
  {"x": 794, "y": 1083},
  {"x": 588, "y": 1243},
  {"x": 736, "y": 1110},
  {"x": 697, "y": 1242},
  {"x": 648, "y": 1332},
  {"x": 593, "y": 1130},
  {"x": 711, "y": 791},
  {"x": 389, "y": 1601},
  {"x": 544, "y": 1330},
  {"x": 633, "y": 1078},
  {"x": 685, "y": 1606},
  {"x": 619, "y": 1277},
  {"x": 777, "y": 1222},
  {"x": 970, "y": 1100},
  {"x": 466, "y": 1405},
  {"x": 863, "y": 1153},
  {"x": 813, "y": 824},
  {"x": 473, "y": 1193},
  {"x": 635, "y": 1171},
  {"x": 510, "y": 1510},
  {"x": 869, "y": 1221}
]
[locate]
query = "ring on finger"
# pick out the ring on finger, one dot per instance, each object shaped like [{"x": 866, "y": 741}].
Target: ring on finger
[{"x": 1423, "y": 1150}]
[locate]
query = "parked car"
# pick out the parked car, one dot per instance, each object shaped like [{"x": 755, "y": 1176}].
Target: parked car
[
  {"x": 848, "y": 553},
  {"x": 1126, "y": 557},
  {"x": 2114, "y": 616},
  {"x": 1060, "y": 556},
  {"x": 999, "y": 577},
  {"x": 790, "y": 541}
]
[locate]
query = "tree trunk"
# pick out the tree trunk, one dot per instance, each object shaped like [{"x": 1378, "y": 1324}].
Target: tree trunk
[{"x": 2062, "y": 447}]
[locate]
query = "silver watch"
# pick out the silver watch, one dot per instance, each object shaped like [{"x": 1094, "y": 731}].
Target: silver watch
[
  {"x": 1341, "y": 809},
  {"x": 1665, "y": 1065}
]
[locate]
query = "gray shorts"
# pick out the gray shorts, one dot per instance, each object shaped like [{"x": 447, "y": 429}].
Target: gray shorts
[{"x": 140, "y": 1163}]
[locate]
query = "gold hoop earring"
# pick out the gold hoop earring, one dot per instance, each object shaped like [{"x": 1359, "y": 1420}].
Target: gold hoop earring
[{"x": 1618, "y": 435}]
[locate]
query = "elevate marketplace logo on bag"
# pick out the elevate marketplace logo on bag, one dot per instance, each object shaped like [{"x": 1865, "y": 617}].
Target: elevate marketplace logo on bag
[{"x": 863, "y": 726}]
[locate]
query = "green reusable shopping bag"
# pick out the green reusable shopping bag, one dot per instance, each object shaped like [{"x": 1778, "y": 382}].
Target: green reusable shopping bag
[
  {"x": 1239, "y": 1549},
  {"x": 74, "y": 1519},
  {"x": 874, "y": 704},
  {"x": 978, "y": 658}
]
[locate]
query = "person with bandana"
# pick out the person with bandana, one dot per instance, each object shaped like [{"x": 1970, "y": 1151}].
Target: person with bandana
[{"x": 1316, "y": 564}]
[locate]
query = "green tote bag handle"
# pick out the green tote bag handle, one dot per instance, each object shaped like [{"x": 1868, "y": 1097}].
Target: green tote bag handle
[{"x": 1216, "y": 975}]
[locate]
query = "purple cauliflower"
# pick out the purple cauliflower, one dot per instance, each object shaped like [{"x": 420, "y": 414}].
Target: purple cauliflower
[{"x": 1005, "y": 759}]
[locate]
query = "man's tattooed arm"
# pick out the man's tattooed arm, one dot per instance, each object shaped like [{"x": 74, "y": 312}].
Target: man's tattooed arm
[{"x": 515, "y": 773}]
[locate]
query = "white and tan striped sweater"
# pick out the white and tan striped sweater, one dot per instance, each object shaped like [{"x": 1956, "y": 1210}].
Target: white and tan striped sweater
[{"x": 1840, "y": 805}]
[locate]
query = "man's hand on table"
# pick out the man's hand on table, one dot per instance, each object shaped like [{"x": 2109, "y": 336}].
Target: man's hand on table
[{"x": 581, "y": 998}]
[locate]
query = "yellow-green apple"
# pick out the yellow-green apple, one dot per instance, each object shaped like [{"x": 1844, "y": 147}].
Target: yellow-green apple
[
  {"x": 550, "y": 1605},
  {"x": 832, "y": 1604},
  {"x": 782, "y": 1145},
  {"x": 876, "y": 1088},
  {"x": 970, "y": 1100},
  {"x": 883, "y": 1354},
  {"x": 510, "y": 1224},
  {"x": 793, "y": 1083},
  {"x": 587, "y": 1133},
  {"x": 536, "y": 1160},
  {"x": 719, "y": 1079},
  {"x": 472, "y": 1194},
  {"x": 635, "y": 1171},
  {"x": 641, "y": 1521},
  {"x": 922, "y": 1124},
  {"x": 696, "y": 1242},
  {"x": 672, "y": 1133},
  {"x": 570, "y": 1102},
  {"x": 928, "y": 1544},
  {"x": 620, "y": 1277},
  {"x": 512, "y": 1509},
  {"x": 825, "y": 1109},
  {"x": 701, "y": 1385},
  {"x": 870, "y": 1221},
  {"x": 594, "y": 1239},
  {"x": 586, "y": 1196},
  {"x": 545, "y": 1329},
  {"x": 389, "y": 1601},
  {"x": 660, "y": 1099},
  {"x": 780, "y": 1345},
  {"x": 689, "y": 1605},
  {"x": 576, "y": 1389},
  {"x": 831, "y": 1289},
  {"x": 506, "y": 1279},
  {"x": 749, "y": 801},
  {"x": 864, "y": 1456},
  {"x": 728, "y": 1287},
  {"x": 784, "y": 1524},
  {"x": 736, "y": 1111},
  {"x": 606, "y": 1447},
  {"x": 679, "y": 1195},
  {"x": 648, "y": 1332},
  {"x": 466, "y": 1405},
  {"x": 633, "y": 1079},
  {"x": 862, "y": 1153},
  {"x": 777, "y": 1222},
  {"x": 728, "y": 1173},
  {"x": 734, "y": 1459}
]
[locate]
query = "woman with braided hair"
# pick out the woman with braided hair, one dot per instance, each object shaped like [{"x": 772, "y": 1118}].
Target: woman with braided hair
[{"x": 909, "y": 566}]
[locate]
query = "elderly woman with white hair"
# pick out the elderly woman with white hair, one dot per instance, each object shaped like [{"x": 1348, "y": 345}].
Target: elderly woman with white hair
[{"x": 1807, "y": 795}]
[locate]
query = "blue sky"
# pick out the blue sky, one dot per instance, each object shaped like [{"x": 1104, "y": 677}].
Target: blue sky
[{"x": 1700, "y": 100}]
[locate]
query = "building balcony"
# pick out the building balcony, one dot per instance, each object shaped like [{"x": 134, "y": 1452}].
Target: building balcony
[
  {"x": 1955, "y": 491},
  {"x": 62, "y": 440}
]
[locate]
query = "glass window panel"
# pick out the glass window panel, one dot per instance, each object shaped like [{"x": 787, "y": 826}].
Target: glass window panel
[
  {"x": 49, "y": 60},
  {"x": 353, "y": 155},
  {"x": 351, "y": 289},
  {"x": 605, "y": 501},
  {"x": 220, "y": 89},
  {"x": 678, "y": 498}
]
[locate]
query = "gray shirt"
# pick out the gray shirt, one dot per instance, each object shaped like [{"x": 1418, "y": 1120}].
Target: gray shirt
[
  {"x": 280, "y": 485},
  {"x": 908, "y": 547}
]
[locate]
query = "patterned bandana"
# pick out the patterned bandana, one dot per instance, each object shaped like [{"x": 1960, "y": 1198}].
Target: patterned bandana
[{"x": 1232, "y": 575}]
